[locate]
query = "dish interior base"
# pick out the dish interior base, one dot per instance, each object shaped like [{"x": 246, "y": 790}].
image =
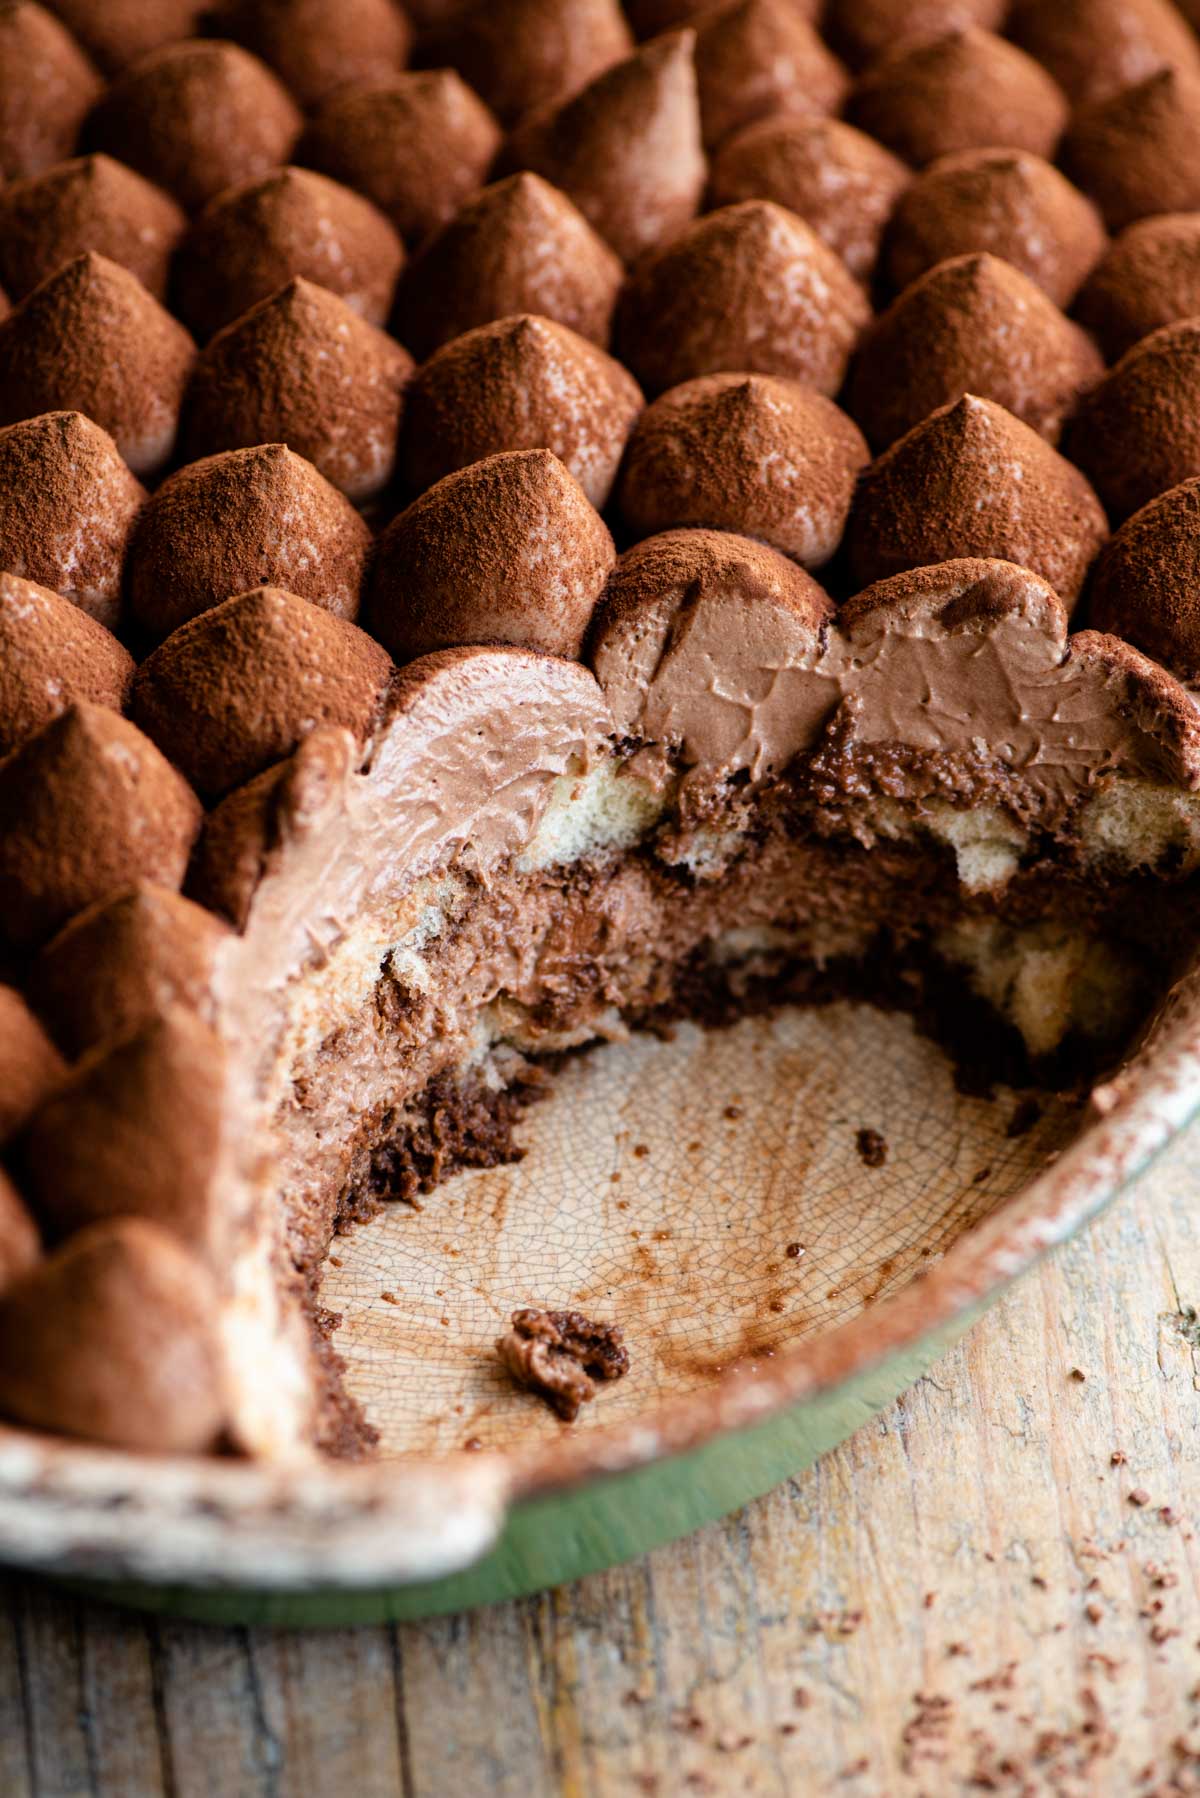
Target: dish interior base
[{"x": 718, "y": 1195}]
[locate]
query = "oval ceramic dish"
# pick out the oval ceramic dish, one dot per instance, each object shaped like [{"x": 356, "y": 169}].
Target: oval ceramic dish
[{"x": 778, "y": 1274}]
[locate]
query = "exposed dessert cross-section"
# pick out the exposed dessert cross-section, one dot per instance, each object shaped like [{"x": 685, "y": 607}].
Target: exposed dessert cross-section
[{"x": 523, "y": 522}]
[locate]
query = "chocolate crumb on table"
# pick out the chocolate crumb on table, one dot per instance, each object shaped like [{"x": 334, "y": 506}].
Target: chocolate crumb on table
[{"x": 562, "y": 1355}]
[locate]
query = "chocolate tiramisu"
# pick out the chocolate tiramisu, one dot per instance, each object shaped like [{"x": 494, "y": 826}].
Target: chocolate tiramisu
[{"x": 519, "y": 523}]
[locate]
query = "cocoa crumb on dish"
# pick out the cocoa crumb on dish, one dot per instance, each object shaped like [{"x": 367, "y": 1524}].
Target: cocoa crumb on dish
[
  {"x": 1027, "y": 1113},
  {"x": 562, "y": 1355},
  {"x": 872, "y": 1148}
]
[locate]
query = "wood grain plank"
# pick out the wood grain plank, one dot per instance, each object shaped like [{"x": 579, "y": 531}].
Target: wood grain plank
[
  {"x": 349, "y": 1741},
  {"x": 16, "y": 1744},
  {"x": 54, "y": 1692},
  {"x": 220, "y": 1736},
  {"x": 87, "y": 1692},
  {"x": 474, "y": 1702},
  {"x": 127, "y": 1751}
]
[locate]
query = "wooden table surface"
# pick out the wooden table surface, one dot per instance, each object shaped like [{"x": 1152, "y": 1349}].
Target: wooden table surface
[{"x": 994, "y": 1587}]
